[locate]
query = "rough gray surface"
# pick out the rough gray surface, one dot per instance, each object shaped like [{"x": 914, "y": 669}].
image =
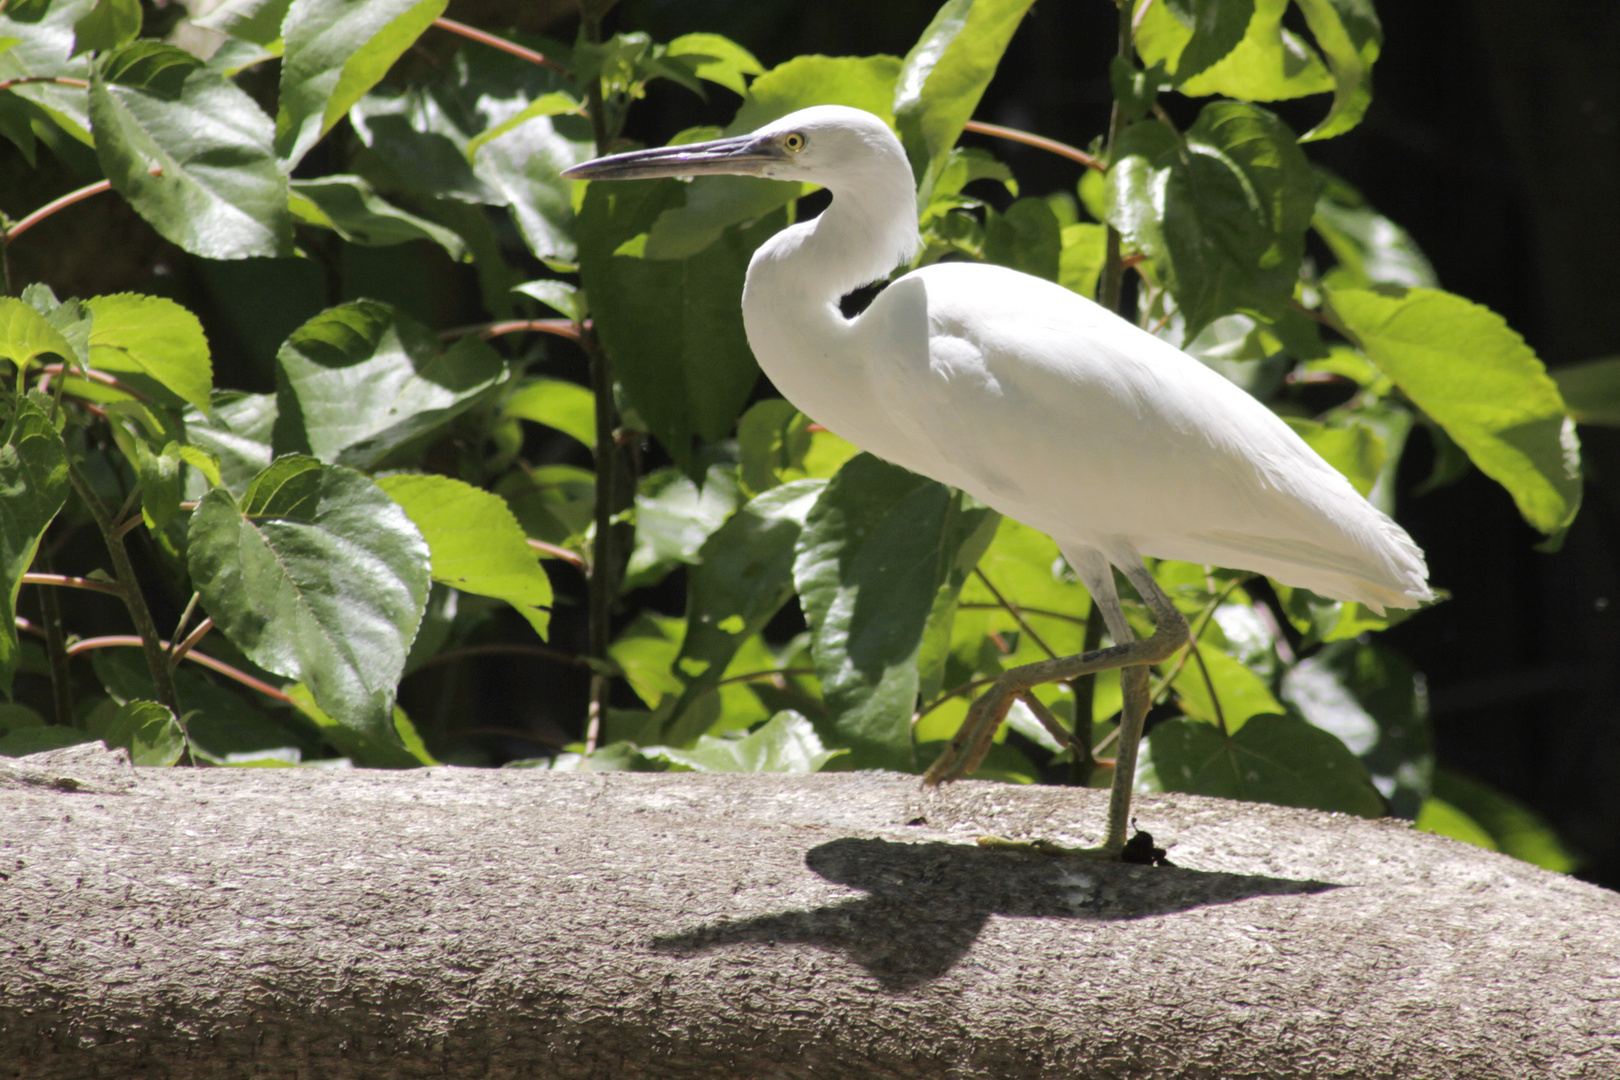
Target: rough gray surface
[{"x": 458, "y": 923}]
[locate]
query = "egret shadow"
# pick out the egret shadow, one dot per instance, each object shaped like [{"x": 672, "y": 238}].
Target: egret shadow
[{"x": 928, "y": 902}]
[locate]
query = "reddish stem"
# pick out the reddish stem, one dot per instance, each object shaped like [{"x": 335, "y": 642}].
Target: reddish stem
[
  {"x": 59, "y": 80},
  {"x": 1073, "y": 153},
  {"x": 560, "y": 327},
  {"x": 73, "y": 583},
  {"x": 573, "y": 558},
  {"x": 130, "y": 640},
  {"x": 192, "y": 638},
  {"x": 57, "y": 204},
  {"x": 474, "y": 34}
]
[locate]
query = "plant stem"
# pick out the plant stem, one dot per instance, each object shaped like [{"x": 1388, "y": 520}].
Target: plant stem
[
  {"x": 1085, "y": 696},
  {"x": 56, "y": 646},
  {"x": 603, "y": 582},
  {"x": 1113, "y": 273},
  {"x": 156, "y": 660}
]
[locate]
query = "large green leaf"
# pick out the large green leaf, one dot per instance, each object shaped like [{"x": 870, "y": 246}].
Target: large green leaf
[
  {"x": 33, "y": 488},
  {"x": 335, "y": 51},
  {"x": 945, "y": 74},
  {"x": 148, "y": 731},
  {"x": 1512, "y": 826},
  {"x": 319, "y": 576},
  {"x": 1027, "y": 237},
  {"x": 568, "y": 407},
  {"x": 673, "y": 327},
  {"x": 156, "y": 341},
  {"x": 357, "y": 380},
  {"x": 25, "y": 334},
  {"x": 237, "y": 433},
  {"x": 743, "y": 576},
  {"x": 714, "y": 203},
  {"x": 785, "y": 743},
  {"x": 674, "y": 516},
  {"x": 715, "y": 58},
  {"x": 1268, "y": 64},
  {"x": 476, "y": 543},
  {"x": 1214, "y": 28},
  {"x": 222, "y": 194},
  {"x": 1275, "y": 759},
  {"x": 1482, "y": 384},
  {"x": 351, "y": 207},
  {"x": 877, "y": 564},
  {"x": 1376, "y": 704},
  {"x": 400, "y": 748},
  {"x": 1221, "y": 211},
  {"x": 256, "y": 21},
  {"x": 1218, "y": 689},
  {"x": 1350, "y": 37},
  {"x": 44, "y": 50},
  {"x": 108, "y": 25},
  {"x": 778, "y": 444},
  {"x": 1370, "y": 248}
]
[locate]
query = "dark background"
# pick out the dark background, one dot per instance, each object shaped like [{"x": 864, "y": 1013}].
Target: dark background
[{"x": 1492, "y": 138}]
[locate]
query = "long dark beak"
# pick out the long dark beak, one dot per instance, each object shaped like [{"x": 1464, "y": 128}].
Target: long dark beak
[{"x": 744, "y": 155}]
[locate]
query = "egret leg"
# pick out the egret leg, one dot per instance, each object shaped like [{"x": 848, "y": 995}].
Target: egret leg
[{"x": 970, "y": 744}]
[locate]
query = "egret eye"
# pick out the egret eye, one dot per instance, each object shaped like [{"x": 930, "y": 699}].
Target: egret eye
[{"x": 793, "y": 141}]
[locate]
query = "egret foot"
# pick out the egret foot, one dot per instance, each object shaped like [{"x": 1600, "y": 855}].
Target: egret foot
[{"x": 1139, "y": 850}]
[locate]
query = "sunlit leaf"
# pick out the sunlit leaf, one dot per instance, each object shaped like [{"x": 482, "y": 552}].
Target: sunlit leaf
[
  {"x": 566, "y": 406},
  {"x": 1268, "y": 64},
  {"x": 148, "y": 731},
  {"x": 1516, "y": 829},
  {"x": 26, "y": 335},
  {"x": 717, "y": 59},
  {"x": 1353, "y": 449},
  {"x": 674, "y": 516},
  {"x": 1479, "y": 381},
  {"x": 152, "y": 338},
  {"x": 351, "y": 207},
  {"x": 1370, "y": 248},
  {"x": 33, "y": 489},
  {"x": 477, "y": 545},
  {"x": 1350, "y": 37},
  {"x": 786, "y": 743}
]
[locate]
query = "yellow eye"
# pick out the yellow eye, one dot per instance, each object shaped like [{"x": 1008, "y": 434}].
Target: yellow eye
[{"x": 793, "y": 141}]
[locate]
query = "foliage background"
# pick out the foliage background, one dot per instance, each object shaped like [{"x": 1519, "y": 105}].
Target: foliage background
[{"x": 1492, "y": 138}]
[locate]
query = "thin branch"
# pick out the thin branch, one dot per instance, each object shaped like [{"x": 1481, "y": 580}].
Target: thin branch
[
  {"x": 185, "y": 618},
  {"x": 1012, "y": 610},
  {"x": 573, "y": 558},
  {"x": 776, "y": 674},
  {"x": 1078, "y": 620},
  {"x": 59, "y": 80},
  {"x": 1062, "y": 149},
  {"x": 124, "y": 641},
  {"x": 1209, "y": 684},
  {"x": 67, "y": 582},
  {"x": 564, "y": 328},
  {"x": 57, "y": 204},
  {"x": 474, "y": 34},
  {"x": 178, "y": 653}
]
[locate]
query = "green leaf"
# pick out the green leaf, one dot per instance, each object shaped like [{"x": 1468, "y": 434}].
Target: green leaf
[
  {"x": 149, "y": 732},
  {"x": 1350, "y": 37},
  {"x": 33, "y": 489},
  {"x": 1591, "y": 391},
  {"x": 945, "y": 74},
  {"x": 673, "y": 519},
  {"x": 221, "y": 194},
  {"x": 108, "y": 25},
  {"x": 1085, "y": 249},
  {"x": 1440, "y": 817},
  {"x": 877, "y": 549},
  {"x": 351, "y": 207},
  {"x": 26, "y": 334},
  {"x": 335, "y": 51},
  {"x": 400, "y": 748},
  {"x": 556, "y": 103},
  {"x": 1221, "y": 212},
  {"x": 1476, "y": 378},
  {"x": 715, "y": 203},
  {"x": 71, "y": 318},
  {"x": 1516, "y": 829},
  {"x": 237, "y": 434},
  {"x": 14, "y": 717},
  {"x": 1370, "y": 248},
  {"x": 566, "y": 406},
  {"x": 37, "y": 740},
  {"x": 554, "y": 503},
  {"x": 153, "y": 66},
  {"x": 717, "y": 59},
  {"x": 160, "y": 483},
  {"x": 645, "y": 652},
  {"x": 476, "y": 543},
  {"x": 220, "y": 724},
  {"x": 154, "y": 339},
  {"x": 1268, "y": 64},
  {"x": 558, "y": 295},
  {"x": 318, "y": 576},
  {"x": 256, "y": 21},
  {"x": 1353, "y": 449},
  {"x": 1374, "y": 702},
  {"x": 1027, "y": 237},
  {"x": 1217, "y": 27},
  {"x": 1233, "y": 693},
  {"x": 44, "y": 46},
  {"x": 357, "y": 380},
  {"x": 742, "y": 577},
  {"x": 673, "y": 327},
  {"x": 787, "y": 742},
  {"x": 1275, "y": 759}
]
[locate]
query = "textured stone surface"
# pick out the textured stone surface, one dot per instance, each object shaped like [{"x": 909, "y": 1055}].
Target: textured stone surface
[{"x": 466, "y": 923}]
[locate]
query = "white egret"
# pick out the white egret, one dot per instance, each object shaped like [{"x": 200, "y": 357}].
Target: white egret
[{"x": 1041, "y": 403}]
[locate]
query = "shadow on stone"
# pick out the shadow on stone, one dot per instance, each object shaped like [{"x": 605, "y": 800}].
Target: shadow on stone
[{"x": 929, "y": 902}]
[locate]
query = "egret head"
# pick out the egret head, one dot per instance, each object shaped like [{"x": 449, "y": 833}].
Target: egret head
[{"x": 830, "y": 145}]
